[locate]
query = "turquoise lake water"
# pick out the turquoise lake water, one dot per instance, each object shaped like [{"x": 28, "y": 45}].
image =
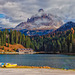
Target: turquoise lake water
[{"x": 52, "y": 60}]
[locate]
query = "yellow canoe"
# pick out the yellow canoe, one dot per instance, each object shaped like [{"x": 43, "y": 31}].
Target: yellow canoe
[{"x": 9, "y": 65}]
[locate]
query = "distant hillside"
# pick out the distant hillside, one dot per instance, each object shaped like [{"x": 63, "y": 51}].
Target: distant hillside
[
  {"x": 35, "y": 32},
  {"x": 56, "y": 42},
  {"x": 66, "y": 26},
  {"x": 11, "y": 48}
]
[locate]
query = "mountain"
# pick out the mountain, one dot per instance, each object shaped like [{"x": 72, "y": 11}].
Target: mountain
[
  {"x": 41, "y": 23},
  {"x": 66, "y": 26},
  {"x": 35, "y": 32}
]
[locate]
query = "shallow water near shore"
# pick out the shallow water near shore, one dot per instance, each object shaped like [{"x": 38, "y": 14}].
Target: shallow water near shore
[{"x": 51, "y": 60}]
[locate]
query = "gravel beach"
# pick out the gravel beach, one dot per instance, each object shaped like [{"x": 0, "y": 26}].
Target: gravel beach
[{"x": 12, "y": 71}]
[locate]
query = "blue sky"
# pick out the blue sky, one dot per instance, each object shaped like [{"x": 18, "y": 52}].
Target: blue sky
[
  {"x": 13, "y": 12},
  {"x": 2, "y": 16}
]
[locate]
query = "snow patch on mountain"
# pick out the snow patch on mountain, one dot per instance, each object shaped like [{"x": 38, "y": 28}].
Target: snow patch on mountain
[{"x": 40, "y": 21}]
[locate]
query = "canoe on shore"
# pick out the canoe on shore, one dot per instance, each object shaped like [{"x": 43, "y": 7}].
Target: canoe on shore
[{"x": 7, "y": 65}]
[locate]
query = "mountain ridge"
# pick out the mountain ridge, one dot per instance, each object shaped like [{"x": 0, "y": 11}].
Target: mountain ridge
[
  {"x": 66, "y": 26},
  {"x": 41, "y": 21}
]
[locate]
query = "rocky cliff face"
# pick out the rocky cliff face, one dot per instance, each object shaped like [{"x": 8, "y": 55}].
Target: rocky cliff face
[{"x": 41, "y": 21}]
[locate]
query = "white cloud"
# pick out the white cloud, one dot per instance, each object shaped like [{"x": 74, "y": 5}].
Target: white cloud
[
  {"x": 6, "y": 23},
  {"x": 19, "y": 10}
]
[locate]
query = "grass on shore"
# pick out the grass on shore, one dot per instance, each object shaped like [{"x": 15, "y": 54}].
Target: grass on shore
[{"x": 46, "y": 67}]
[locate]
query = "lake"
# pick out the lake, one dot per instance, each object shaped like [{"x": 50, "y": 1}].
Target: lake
[{"x": 52, "y": 60}]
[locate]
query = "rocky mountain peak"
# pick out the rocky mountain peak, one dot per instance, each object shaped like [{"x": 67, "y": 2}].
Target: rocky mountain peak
[
  {"x": 41, "y": 21},
  {"x": 40, "y": 10}
]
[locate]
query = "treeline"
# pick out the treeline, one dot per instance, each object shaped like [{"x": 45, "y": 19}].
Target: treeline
[
  {"x": 62, "y": 42},
  {"x": 14, "y": 37}
]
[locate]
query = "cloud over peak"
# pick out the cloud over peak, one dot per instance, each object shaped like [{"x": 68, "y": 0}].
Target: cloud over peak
[{"x": 17, "y": 11}]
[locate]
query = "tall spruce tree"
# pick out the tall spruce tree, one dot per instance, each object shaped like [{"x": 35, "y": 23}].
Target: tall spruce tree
[
  {"x": 1, "y": 40},
  {"x": 12, "y": 39},
  {"x": 27, "y": 42},
  {"x": 4, "y": 38},
  {"x": 8, "y": 41},
  {"x": 23, "y": 39},
  {"x": 58, "y": 45},
  {"x": 68, "y": 42},
  {"x": 20, "y": 38},
  {"x": 32, "y": 46},
  {"x": 16, "y": 37}
]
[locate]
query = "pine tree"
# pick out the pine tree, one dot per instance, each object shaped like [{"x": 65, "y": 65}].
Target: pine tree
[
  {"x": 23, "y": 39},
  {"x": 8, "y": 41},
  {"x": 16, "y": 37},
  {"x": 68, "y": 42},
  {"x": 73, "y": 46},
  {"x": 58, "y": 45},
  {"x": 71, "y": 38},
  {"x": 64, "y": 45},
  {"x": 27, "y": 42},
  {"x": 20, "y": 38},
  {"x": 54, "y": 46},
  {"x": 4, "y": 38},
  {"x": 32, "y": 46},
  {"x": 12, "y": 40},
  {"x": 1, "y": 40}
]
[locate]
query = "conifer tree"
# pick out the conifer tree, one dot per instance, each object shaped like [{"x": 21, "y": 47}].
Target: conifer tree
[
  {"x": 68, "y": 42},
  {"x": 4, "y": 38},
  {"x": 71, "y": 38},
  {"x": 73, "y": 46},
  {"x": 27, "y": 42},
  {"x": 32, "y": 46},
  {"x": 8, "y": 41},
  {"x": 12, "y": 40},
  {"x": 20, "y": 38},
  {"x": 58, "y": 45},
  {"x": 16, "y": 37},
  {"x": 23, "y": 39},
  {"x": 1, "y": 40}
]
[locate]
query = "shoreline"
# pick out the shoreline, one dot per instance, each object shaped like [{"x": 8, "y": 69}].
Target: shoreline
[
  {"x": 36, "y": 67},
  {"x": 30, "y": 71},
  {"x": 16, "y": 53}
]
